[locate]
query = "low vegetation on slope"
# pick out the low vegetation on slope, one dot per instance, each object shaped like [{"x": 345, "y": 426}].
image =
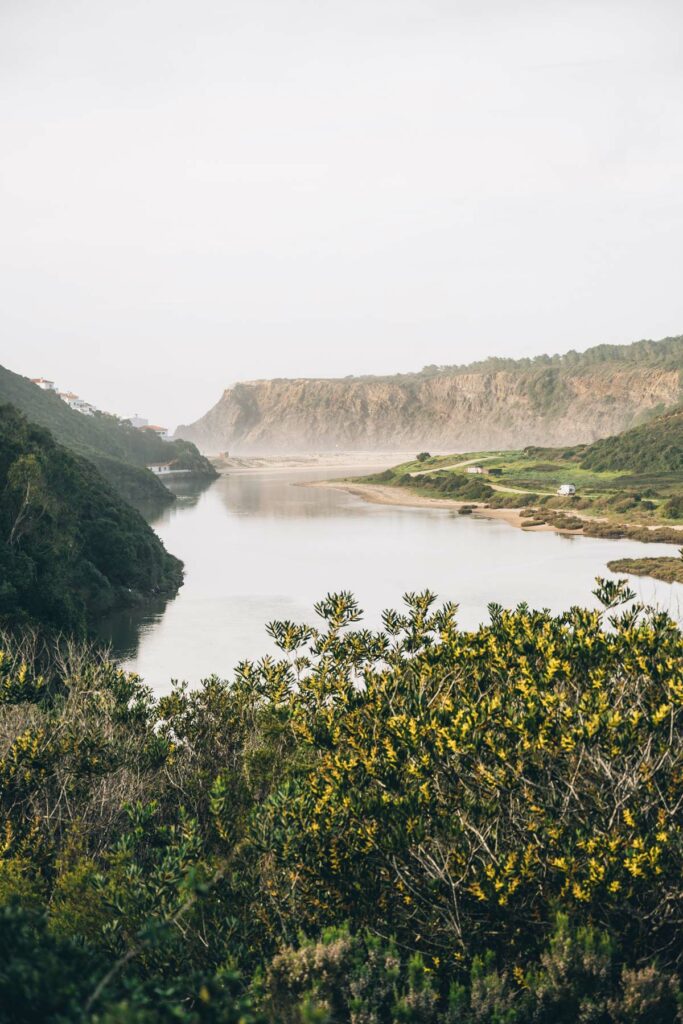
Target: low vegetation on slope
[
  {"x": 70, "y": 548},
  {"x": 646, "y": 507},
  {"x": 119, "y": 451},
  {"x": 655, "y": 447},
  {"x": 420, "y": 824},
  {"x": 627, "y": 486},
  {"x": 664, "y": 354}
]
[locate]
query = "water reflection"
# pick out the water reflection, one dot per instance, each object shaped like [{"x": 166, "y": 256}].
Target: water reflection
[
  {"x": 123, "y": 630},
  {"x": 261, "y": 546},
  {"x": 279, "y": 495},
  {"x": 187, "y": 494}
]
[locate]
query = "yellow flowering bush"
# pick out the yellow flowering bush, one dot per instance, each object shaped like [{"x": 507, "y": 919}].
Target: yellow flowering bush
[
  {"x": 413, "y": 824},
  {"x": 465, "y": 785}
]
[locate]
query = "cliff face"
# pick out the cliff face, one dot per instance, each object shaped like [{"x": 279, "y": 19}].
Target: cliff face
[{"x": 457, "y": 410}]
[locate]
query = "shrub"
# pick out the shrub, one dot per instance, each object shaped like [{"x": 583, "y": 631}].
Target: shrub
[
  {"x": 467, "y": 826},
  {"x": 673, "y": 508}
]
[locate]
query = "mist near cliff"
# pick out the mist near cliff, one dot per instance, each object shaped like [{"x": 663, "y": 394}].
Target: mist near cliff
[
  {"x": 197, "y": 194},
  {"x": 499, "y": 404}
]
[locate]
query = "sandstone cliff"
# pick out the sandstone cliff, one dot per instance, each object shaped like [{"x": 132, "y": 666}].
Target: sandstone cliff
[{"x": 496, "y": 404}]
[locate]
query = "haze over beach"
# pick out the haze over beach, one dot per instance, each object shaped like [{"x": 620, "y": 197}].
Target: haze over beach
[{"x": 286, "y": 189}]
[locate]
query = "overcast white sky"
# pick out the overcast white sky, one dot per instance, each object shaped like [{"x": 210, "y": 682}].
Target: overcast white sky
[{"x": 194, "y": 192}]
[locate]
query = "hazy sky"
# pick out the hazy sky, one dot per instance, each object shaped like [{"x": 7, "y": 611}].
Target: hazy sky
[{"x": 194, "y": 192}]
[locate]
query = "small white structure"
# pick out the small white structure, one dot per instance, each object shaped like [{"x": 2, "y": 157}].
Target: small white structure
[
  {"x": 166, "y": 469},
  {"x": 475, "y": 469},
  {"x": 161, "y": 432},
  {"x": 43, "y": 384},
  {"x": 138, "y": 421},
  {"x": 76, "y": 403},
  {"x": 566, "y": 489}
]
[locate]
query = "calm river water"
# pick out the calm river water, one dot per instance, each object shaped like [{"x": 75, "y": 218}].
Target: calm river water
[{"x": 257, "y": 547}]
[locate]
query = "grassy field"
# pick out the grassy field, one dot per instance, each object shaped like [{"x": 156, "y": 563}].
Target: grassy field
[
  {"x": 608, "y": 503},
  {"x": 631, "y": 499}
]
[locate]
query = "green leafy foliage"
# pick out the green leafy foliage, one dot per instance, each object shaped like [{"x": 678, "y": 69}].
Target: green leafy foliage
[
  {"x": 626, "y": 485},
  {"x": 70, "y": 548},
  {"x": 653, "y": 447},
  {"x": 665, "y": 354},
  {"x": 119, "y": 451},
  {"x": 415, "y": 824},
  {"x": 451, "y": 485}
]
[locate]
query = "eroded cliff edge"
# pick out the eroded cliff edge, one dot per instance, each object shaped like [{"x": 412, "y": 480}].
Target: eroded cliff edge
[{"x": 497, "y": 403}]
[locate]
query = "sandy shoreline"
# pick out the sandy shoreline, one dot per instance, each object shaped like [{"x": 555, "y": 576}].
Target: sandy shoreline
[
  {"x": 352, "y": 461},
  {"x": 379, "y": 494}
]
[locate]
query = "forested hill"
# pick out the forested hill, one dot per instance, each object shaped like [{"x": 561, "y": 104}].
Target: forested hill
[
  {"x": 654, "y": 447},
  {"x": 567, "y": 399},
  {"x": 119, "y": 451},
  {"x": 70, "y": 548}
]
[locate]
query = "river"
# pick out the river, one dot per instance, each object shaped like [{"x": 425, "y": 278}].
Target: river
[{"x": 259, "y": 546}]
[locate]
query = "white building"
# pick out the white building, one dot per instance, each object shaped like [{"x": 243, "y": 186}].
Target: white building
[
  {"x": 566, "y": 489},
  {"x": 475, "y": 469},
  {"x": 43, "y": 384},
  {"x": 166, "y": 469},
  {"x": 76, "y": 403},
  {"x": 161, "y": 432}
]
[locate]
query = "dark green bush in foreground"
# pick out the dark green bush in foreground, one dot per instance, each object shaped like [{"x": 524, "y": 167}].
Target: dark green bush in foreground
[{"x": 417, "y": 824}]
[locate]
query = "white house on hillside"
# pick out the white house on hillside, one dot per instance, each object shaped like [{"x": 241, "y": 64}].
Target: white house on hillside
[
  {"x": 475, "y": 469},
  {"x": 566, "y": 489},
  {"x": 161, "y": 432},
  {"x": 43, "y": 384},
  {"x": 76, "y": 403}
]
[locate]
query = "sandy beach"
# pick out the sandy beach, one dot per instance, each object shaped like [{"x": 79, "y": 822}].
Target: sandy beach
[
  {"x": 325, "y": 460},
  {"x": 382, "y": 495}
]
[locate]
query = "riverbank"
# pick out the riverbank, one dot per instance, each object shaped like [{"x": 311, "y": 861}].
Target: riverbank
[
  {"x": 521, "y": 518},
  {"x": 669, "y": 570},
  {"x": 380, "y": 494},
  {"x": 285, "y": 463}
]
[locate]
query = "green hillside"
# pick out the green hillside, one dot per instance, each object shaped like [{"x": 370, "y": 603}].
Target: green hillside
[
  {"x": 119, "y": 451},
  {"x": 70, "y": 548},
  {"x": 656, "y": 446},
  {"x": 629, "y": 485}
]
